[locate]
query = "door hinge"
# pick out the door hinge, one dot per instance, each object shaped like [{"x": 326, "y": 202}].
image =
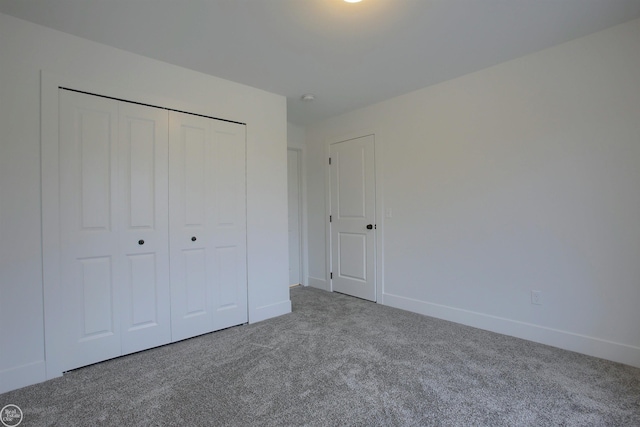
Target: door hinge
[
  {"x": 331, "y": 275},
  {"x": 329, "y": 160},
  {"x": 330, "y": 218}
]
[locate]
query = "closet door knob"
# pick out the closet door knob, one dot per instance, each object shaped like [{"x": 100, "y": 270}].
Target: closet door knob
[
  {"x": 370, "y": 227},
  {"x": 141, "y": 242},
  {"x": 193, "y": 239}
]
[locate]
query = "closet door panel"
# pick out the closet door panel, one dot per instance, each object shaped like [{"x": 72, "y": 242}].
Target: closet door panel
[
  {"x": 89, "y": 327},
  {"x": 229, "y": 298},
  {"x": 152, "y": 228},
  {"x": 144, "y": 238},
  {"x": 195, "y": 282},
  {"x": 208, "y": 224},
  {"x": 190, "y": 209}
]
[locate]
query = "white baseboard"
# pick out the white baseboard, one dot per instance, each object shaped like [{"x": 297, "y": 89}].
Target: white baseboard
[
  {"x": 622, "y": 353},
  {"x": 268, "y": 311},
  {"x": 314, "y": 282},
  {"x": 22, "y": 376}
]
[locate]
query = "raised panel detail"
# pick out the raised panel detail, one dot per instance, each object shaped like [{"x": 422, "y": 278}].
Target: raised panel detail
[
  {"x": 353, "y": 256},
  {"x": 195, "y": 281},
  {"x": 97, "y": 297},
  {"x": 226, "y": 179},
  {"x": 141, "y": 136},
  {"x": 351, "y": 183},
  {"x": 94, "y": 135},
  {"x": 227, "y": 277},
  {"x": 194, "y": 175},
  {"x": 143, "y": 293}
]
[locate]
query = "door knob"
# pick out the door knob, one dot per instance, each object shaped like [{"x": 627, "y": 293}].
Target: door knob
[
  {"x": 193, "y": 239},
  {"x": 141, "y": 242},
  {"x": 370, "y": 227}
]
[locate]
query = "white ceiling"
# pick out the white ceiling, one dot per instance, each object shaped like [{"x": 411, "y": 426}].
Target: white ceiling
[{"x": 348, "y": 55}]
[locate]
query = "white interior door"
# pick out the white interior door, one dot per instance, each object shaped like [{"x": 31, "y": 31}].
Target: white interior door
[
  {"x": 353, "y": 225},
  {"x": 89, "y": 327},
  {"x": 293, "y": 176},
  {"x": 145, "y": 313},
  {"x": 207, "y": 225}
]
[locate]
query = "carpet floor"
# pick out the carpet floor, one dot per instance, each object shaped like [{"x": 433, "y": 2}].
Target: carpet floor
[{"x": 338, "y": 360}]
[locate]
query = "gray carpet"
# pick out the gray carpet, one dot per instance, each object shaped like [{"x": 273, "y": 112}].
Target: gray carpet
[{"x": 338, "y": 360}]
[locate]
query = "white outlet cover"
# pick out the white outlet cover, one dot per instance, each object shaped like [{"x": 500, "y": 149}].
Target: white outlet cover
[{"x": 536, "y": 297}]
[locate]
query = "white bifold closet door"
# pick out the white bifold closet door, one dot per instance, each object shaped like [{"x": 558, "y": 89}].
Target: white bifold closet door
[
  {"x": 207, "y": 224},
  {"x": 114, "y": 262},
  {"x": 152, "y": 228}
]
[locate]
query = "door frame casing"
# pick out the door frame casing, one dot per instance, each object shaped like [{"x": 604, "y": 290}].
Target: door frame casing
[{"x": 379, "y": 209}]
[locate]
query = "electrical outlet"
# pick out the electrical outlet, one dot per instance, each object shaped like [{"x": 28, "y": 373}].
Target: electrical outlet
[{"x": 536, "y": 297}]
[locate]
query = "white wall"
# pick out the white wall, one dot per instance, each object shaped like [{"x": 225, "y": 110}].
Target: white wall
[
  {"x": 524, "y": 176},
  {"x": 25, "y": 50},
  {"x": 296, "y": 141},
  {"x": 295, "y": 137}
]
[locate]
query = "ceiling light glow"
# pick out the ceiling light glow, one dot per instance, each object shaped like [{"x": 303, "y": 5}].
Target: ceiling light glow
[{"x": 352, "y": 1}]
